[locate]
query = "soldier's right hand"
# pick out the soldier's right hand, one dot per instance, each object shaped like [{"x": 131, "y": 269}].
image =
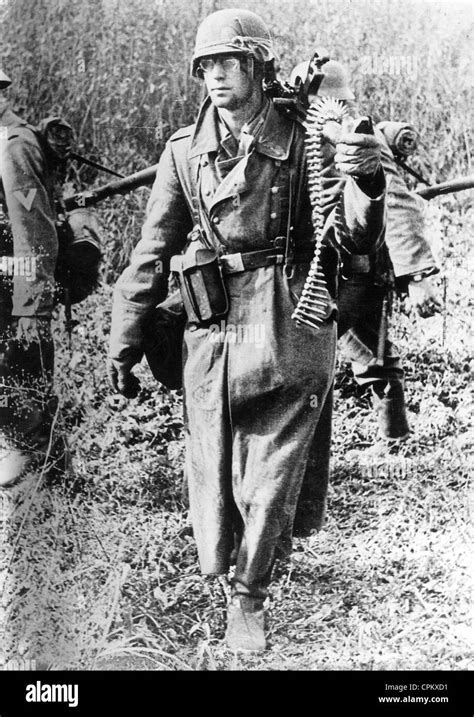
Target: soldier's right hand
[
  {"x": 122, "y": 379},
  {"x": 423, "y": 297}
]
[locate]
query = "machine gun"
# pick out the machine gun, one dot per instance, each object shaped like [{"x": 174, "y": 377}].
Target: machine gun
[
  {"x": 91, "y": 197},
  {"x": 292, "y": 100},
  {"x": 452, "y": 185},
  {"x": 146, "y": 177}
]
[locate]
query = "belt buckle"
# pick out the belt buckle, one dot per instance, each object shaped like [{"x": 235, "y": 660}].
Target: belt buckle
[
  {"x": 360, "y": 263},
  {"x": 289, "y": 269},
  {"x": 232, "y": 263}
]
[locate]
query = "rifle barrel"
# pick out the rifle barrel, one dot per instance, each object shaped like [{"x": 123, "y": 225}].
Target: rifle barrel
[
  {"x": 452, "y": 185},
  {"x": 96, "y": 165}
]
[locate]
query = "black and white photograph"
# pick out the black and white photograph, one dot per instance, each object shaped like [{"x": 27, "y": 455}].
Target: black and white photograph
[{"x": 235, "y": 346}]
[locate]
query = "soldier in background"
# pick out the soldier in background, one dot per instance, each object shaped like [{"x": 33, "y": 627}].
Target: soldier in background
[
  {"x": 29, "y": 248},
  {"x": 405, "y": 262}
]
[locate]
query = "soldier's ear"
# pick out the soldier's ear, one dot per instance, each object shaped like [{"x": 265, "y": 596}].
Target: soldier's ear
[
  {"x": 255, "y": 69},
  {"x": 247, "y": 65}
]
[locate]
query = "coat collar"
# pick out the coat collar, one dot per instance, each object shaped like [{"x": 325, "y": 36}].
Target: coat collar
[
  {"x": 9, "y": 119},
  {"x": 274, "y": 140}
]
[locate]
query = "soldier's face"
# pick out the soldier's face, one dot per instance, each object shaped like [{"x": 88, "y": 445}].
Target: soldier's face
[
  {"x": 230, "y": 84},
  {"x": 4, "y": 98}
]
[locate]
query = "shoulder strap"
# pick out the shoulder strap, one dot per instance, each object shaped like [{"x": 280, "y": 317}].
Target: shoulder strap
[
  {"x": 187, "y": 170},
  {"x": 209, "y": 235},
  {"x": 288, "y": 266}
]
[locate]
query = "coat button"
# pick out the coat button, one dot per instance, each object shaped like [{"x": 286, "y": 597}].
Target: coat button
[
  {"x": 273, "y": 215},
  {"x": 274, "y": 190},
  {"x": 215, "y": 220}
]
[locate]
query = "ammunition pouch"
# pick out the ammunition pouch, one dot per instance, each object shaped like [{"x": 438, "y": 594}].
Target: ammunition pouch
[
  {"x": 201, "y": 283},
  {"x": 79, "y": 255}
]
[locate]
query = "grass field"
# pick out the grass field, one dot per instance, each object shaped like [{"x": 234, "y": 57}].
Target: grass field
[{"x": 102, "y": 570}]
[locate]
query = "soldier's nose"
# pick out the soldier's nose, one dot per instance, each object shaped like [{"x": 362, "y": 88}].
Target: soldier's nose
[{"x": 217, "y": 71}]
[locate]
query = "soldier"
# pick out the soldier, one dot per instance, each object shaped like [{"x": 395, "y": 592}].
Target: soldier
[
  {"x": 231, "y": 191},
  {"x": 404, "y": 261},
  {"x": 367, "y": 281},
  {"x": 29, "y": 250}
]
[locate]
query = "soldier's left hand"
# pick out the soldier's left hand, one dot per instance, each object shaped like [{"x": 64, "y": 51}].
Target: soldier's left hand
[
  {"x": 357, "y": 155},
  {"x": 423, "y": 298}
]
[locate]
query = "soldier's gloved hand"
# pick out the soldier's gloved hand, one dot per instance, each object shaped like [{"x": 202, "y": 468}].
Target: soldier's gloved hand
[
  {"x": 125, "y": 348},
  {"x": 358, "y": 155},
  {"x": 423, "y": 298},
  {"x": 121, "y": 377}
]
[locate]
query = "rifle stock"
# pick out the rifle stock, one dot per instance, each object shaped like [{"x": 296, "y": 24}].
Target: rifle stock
[{"x": 144, "y": 177}]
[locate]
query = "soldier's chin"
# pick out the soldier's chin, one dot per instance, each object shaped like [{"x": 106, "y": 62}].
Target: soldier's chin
[{"x": 222, "y": 99}]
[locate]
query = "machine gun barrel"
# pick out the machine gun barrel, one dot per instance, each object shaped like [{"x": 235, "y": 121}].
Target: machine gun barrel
[
  {"x": 452, "y": 185},
  {"x": 144, "y": 177}
]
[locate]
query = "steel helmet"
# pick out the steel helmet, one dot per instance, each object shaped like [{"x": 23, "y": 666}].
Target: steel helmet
[
  {"x": 233, "y": 31},
  {"x": 58, "y": 135},
  {"x": 335, "y": 82},
  {"x": 4, "y": 81}
]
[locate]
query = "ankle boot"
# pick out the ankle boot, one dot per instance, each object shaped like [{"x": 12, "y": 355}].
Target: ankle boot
[
  {"x": 390, "y": 409},
  {"x": 245, "y": 624}
]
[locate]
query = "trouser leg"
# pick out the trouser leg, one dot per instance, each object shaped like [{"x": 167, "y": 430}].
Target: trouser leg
[
  {"x": 359, "y": 326},
  {"x": 272, "y": 438},
  {"x": 311, "y": 507},
  {"x": 27, "y": 403},
  {"x": 386, "y": 381}
]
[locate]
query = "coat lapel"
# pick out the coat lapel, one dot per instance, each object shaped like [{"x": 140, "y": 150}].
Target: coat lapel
[{"x": 274, "y": 141}]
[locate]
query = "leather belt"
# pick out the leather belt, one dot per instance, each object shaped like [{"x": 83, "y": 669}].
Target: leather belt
[
  {"x": 360, "y": 263},
  {"x": 234, "y": 263}
]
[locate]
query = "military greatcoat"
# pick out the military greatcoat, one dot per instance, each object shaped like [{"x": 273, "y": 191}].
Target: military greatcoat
[
  {"x": 28, "y": 253},
  {"x": 251, "y": 409}
]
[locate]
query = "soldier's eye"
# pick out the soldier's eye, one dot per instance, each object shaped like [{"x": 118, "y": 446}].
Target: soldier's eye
[
  {"x": 228, "y": 62},
  {"x": 231, "y": 63}
]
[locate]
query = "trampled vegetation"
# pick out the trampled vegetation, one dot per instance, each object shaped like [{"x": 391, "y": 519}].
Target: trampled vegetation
[{"x": 103, "y": 569}]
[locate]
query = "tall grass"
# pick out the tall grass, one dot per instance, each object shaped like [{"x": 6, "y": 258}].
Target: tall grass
[{"x": 118, "y": 70}]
